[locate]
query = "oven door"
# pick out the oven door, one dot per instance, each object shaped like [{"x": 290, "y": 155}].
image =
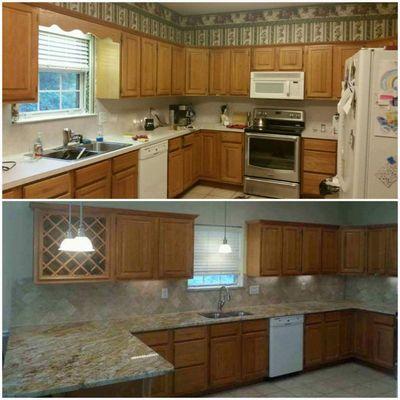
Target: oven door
[{"x": 272, "y": 156}]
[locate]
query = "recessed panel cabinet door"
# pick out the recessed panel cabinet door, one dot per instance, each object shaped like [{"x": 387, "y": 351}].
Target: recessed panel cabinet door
[
  {"x": 346, "y": 334},
  {"x": 176, "y": 248},
  {"x": 313, "y": 344},
  {"x": 130, "y": 65},
  {"x": 232, "y": 162},
  {"x": 211, "y": 151},
  {"x": 20, "y": 52},
  {"x": 332, "y": 341},
  {"x": 219, "y": 71},
  {"x": 124, "y": 184},
  {"x": 291, "y": 255},
  {"x": 136, "y": 240},
  {"x": 240, "y": 72},
  {"x": 254, "y": 355},
  {"x": 311, "y": 250},
  {"x": 175, "y": 173},
  {"x": 391, "y": 251},
  {"x": 361, "y": 333},
  {"x": 290, "y": 58},
  {"x": 383, "y": 345},
  {"x": 178, "y": 71},
  {"x": 197, "y": 71},
  {"x": 187, "y": 166},
  {"x": 330, "y": 251},
  {"x": 148, "y": 72},
  {"x": 271, "y": 250},
  {"x": 164, "y": 63},
  {"x": 352, "y": 250},
  {"x": 263, "y": 59},
  {"x": 376, "y": 250}
]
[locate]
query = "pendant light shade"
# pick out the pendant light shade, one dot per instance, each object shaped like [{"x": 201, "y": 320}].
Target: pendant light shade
[{"x": 225, "y": 248}]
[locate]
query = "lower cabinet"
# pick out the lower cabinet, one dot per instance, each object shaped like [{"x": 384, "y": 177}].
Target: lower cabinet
[
  {"x": 232, "y": 158},
  {"x": 361, "y": 342},
  {"x": 313, "y": 340},
  {"x": 383, "y": 340},
  {"x": 347, "y": 333},
  {"x": 56, "y": 187},
  {"x": 332, "y": 337},
  {"x": 125, "y": 176},
  {"x": 211, "y": 155}
]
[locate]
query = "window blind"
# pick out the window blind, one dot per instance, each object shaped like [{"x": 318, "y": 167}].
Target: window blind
[
  {"x": 58, "y": 51},
  {"x": 207, "y": 259}
]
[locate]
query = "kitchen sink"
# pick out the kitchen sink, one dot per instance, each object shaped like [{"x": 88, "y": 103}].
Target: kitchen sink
[
  {"x": 104, "y": 147},
  {"x": 228, "y": 314}
]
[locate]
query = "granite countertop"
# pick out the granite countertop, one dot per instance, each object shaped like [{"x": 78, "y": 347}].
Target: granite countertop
[{"x": 47, "y": 360}]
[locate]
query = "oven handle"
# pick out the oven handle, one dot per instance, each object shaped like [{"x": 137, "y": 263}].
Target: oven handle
[{"x": 274, "y": 136}]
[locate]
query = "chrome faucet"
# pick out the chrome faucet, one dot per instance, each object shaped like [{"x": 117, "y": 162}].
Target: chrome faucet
[
  {"x": 69, "y": 136},
  {"x": 224, "y": 296}
]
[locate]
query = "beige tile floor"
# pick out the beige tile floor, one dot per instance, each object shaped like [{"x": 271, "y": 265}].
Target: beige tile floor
[
  {"x": 345, "y": 380},
  {"x": 209, "y": 192}
]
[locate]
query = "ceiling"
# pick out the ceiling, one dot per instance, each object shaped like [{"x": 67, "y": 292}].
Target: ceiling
[{"x": 192, "y": 8}]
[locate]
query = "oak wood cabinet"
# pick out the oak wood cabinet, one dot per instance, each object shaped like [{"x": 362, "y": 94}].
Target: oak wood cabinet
[
  {"x": 178, "y": 71},
  {"x": 176, "y": 248},
  {"x": 136, "y": 238},
  {"x": 383, "y": 340},
  {"x": 148, "y": 67},
  {"x": 313, "y": 341},
  {"x": 232, "y": 157},
  {"x": 164, "y": 69},
  {"x": 239, "y": 72},
  {"x": 197, "y": 71},
  {"x": 211, "y": 155},
  {"x": 329, "y": 250},
  {"x": 254, "y": 355},
  {"x": 20, "y": 53},
  {"x": 347, "y": 333},
  {"x": 130, "y": 65},
  {"x": 125, "y": 176},
  {"x": 352, "y": 244},
  {"x": 188, "y": 161},
  {"x": 391, "y": 251},
  {"x": 291, "y": 250},
  {"x": 14, "y": 193},
  {"x": 331, "y": 336},
  {"x": 56, "y": 187},
  {"x": 175, "y": 168},
  {"x": 263, "y": 59},
  {"x": 361, "y": 337},
  {"x": 376, "y": 250},
  {"x": 318, "y": 70},
  {"x": 289, "y": 58},
  {"x": 311, "y": 250},
  {"x": 197, "y": 155},
  {"x": 219, "y": 71}
]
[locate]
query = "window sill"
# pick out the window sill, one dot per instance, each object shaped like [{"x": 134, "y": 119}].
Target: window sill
[
  {"x": 208, "y": 288},
  {"x": 52, "y": 118}
]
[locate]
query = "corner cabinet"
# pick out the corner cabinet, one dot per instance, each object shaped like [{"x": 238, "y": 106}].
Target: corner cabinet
[{"x": 20, "y": 52}]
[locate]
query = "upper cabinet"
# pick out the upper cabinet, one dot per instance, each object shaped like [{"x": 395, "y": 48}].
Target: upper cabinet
[
  {"x": 376, "y": 250},
  {"x": 164, "y": 62},
  {"x": 20, "y": 52},
  {"x": 352, "y": 244},
  {"x": 318, "y": 70},
  {"x": 178, "y": 71},
  {"x": 289, "y": 58},
  {"x": 263, "y": 59},
  {"x": 311, "y": 254},
  {"x": 219, "y": 71},
  {"x": 391, "y": 251},
  {"x": 197, "y": 71},
  {"x": 329, "y": 250},
  {"x": 148, "y": 70},
  {"x": 240, "y": 72},
  {"x": 130, "y": 65}
]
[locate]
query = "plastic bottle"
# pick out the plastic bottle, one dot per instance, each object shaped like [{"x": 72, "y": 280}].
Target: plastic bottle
[
  {"x": 100, "y": 135},
  {"x": 38, "y": 146}
]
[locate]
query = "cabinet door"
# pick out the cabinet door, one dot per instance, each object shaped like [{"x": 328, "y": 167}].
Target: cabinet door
[
  {"x": 319, "y": 71},
  {"x": 130, "y": 65},
  {"x": 254, "y": 355},
  {"x": 291, "y": 255},
  {"x": 232, "y": 162},
  {"x": 197, "y": 71},
  {"x": 51, "y": 188},
  {"x": 290, "y": 58},
  {"x": 211, "y": 163},
  {"x": 136, "y": 238},
  {"x": 219, "y": 71},
  {"x": 100, "y": 189},
  {"x": 164, "y": 63},
  {"x": 340, "y": 54},
  {"x": 225, "y": 360},
  {"x": 311, "y": 250},
  {"x": 361, "y": 330},
  {"x": 20, "y": 52},
  {"x": 383, "y": 345},
  {"x": 176, "y": 247},
  {"x": 162, "y": 385},
  {"x": 391, "y": 251},
  {"x": 178, "y": 71},
  {"x": 330, "y": 251},
  {"x": 313, "y": 344},
  {"x": 197, "y": 155},
  {"x": 14, "y": 193},
  {"x": 352, "y": 243},
  {"x": 187, "y": 166},
  {"x": 240, "y": 72},
  {"x": 190, "y": 380},
  {"x": 332, "y": 341},
  {"x": 175, "y": 173},
  {"x": 148, "y": 71},
  {"x": 271, "y": 250},
  {"x": 263, "y": 59},
  {"x": 376, "y": 250},
  {"x": 124, "y": 184},
  {"x": 346, "y": 334}
]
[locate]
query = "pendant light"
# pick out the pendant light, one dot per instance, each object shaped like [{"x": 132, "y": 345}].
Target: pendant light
[
  {"x": 68, "y": 243},
  {"x": 225, "y": 248}
]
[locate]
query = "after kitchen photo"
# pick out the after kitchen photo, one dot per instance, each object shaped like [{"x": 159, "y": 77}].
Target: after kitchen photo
[
  {"x": 199, "y": 100},
  {"x": 193, "y": 298}
]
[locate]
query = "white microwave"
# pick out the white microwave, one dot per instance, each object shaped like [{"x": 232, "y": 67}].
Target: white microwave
[{"x": 277, "y": 85}]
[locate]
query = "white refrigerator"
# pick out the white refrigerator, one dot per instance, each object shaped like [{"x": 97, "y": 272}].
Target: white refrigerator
[{"x": 367, "y": 132}]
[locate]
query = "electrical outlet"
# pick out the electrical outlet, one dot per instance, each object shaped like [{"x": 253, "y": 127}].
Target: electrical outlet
[
  {"x": 323, "y": 128},
  {"x": 254, "y": 289},
  {"x": 164, "y": 293}
]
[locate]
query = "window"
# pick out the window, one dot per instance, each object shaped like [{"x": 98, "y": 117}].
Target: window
[
  {"x": 211, "y": 268},
  {"x": 65, "y": 76}
]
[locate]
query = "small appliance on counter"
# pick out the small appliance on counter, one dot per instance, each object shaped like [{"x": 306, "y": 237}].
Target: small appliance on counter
[
  {"x": 182, "y": 115},
  {"x": 149, "y": 124}
]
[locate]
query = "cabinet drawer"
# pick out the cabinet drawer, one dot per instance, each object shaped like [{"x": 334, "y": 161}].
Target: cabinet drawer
[
  {"x": 383, "y": 319},
  {"x": 190, "y": 353},
  {"x": 92, "y": 173},
  {"x": 192, "y": 333},
  {"x": 188, "y": 140},
  {"x": 320, "y": 162},
  {"x": 320, "y": 145},
  {"x": 174, "y": 144},
  {"x": 225, "y": 329},
  {"x": 254, "y": 326},
  {"x": 50, "y": 188},
  {"x": 332, "y": 316},
  {"x": 15, "y": 193},
  {"x": 154, "y": 338},
  {"x": 190, "y": 380},
  {"x": 314, "y": 318},
  {"x": 232, "y": 137},
  {"x": 125, "y": 161}
]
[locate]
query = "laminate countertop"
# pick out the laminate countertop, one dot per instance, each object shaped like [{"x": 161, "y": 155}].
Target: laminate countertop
[{"x": 46, "y": 360}]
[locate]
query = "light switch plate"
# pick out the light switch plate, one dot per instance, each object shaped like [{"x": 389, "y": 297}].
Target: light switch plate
[
  {"x": 164, "y": 293},
  {"x": 254, "y": 289},
  {"x": 323, "y": 128}
]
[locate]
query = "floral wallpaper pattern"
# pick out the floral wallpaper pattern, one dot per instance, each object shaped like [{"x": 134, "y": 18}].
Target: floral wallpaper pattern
[{"x": 320, "y": 23}]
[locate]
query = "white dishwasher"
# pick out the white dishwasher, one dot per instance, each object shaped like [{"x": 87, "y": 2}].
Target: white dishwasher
[
  {"x": 285, "y": 345},
  {"x": 153, "y": 171}
]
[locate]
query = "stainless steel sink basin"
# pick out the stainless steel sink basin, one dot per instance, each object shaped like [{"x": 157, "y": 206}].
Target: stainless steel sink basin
[
  {"x": 104, "y": 147},
  {"x": 69, "y": 154},
  {"x": 228, "y": 314}
]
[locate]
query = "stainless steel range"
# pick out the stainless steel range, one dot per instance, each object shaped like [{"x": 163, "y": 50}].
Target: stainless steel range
[{"x": 272, "y": 153}]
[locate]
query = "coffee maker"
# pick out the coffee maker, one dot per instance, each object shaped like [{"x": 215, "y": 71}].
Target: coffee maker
[{"x": 181, "y": 115}]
